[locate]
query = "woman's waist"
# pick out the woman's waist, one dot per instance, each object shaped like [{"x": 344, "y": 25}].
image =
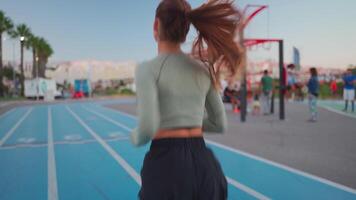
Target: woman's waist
[
  {"x": 186, "y": 142},
  {"x": 179, "y": 133}
]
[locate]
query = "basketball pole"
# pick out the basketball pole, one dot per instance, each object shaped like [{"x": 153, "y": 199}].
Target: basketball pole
[
  {"x": 246, "y": 21},
  {"x": 243, "y": 96},
  {"x": 282, "y": 81}
]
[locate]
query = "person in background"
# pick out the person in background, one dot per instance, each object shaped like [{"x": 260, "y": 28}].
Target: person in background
[
  {"x": 349, "y": 90},
  {"x": 291, "y": 81},
  {"x": 313, "y": 93},
  {"x": 333, "y": 87},
  {"x": 230, "y": 95},
  {"x": 256, "y": 106},
  {"x": 267, "y": 87}
]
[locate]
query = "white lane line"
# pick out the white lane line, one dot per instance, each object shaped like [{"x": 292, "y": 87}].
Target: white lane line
[
  {"x": 230, "y": 180},
  {"x": 115, "y": 155},
  {"x": 327, "y": 106},
  {"x": 7, "y": 113},
  {"x": 247, "y": 189},
  {"x": 88, "y": 141},
  {"x": 13, "y": 129},
  {"x": 52, "y": 172},
  {"x": 108, "y": 119},
  {"x": 337, "y": 111},
  {"x": 284, "y": 167},
  {"x": 112, "y": 110}
]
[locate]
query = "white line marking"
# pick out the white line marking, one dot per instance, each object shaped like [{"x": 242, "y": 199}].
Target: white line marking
[
  {"x": 7, "y": 113},
  {"x": 115, "y": 155},
  {"x": 301, "y": 173},
  {"x": 247, "y": 189},
  {"x": 52, "y": 172},
  {"x": 292, "y": 170},
  {"x": 337, "y": 111},
  {"x": 17, "y": 146},
  {"x": 122, "y": 113},
  {"x": 230, "y": 180},
  {"x": 326, "y": 105},
  {"x": 13, "y": 129},
  {"x": 108, "y": 119}
]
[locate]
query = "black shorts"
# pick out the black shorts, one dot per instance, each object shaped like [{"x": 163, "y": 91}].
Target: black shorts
[{"x": 182, "y": 169}]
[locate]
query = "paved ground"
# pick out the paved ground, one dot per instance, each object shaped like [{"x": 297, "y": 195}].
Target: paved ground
[{"x": 325, "y": 149}]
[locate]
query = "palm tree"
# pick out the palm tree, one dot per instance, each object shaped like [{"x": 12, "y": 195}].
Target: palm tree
[
  {"x": 24, "y": 33},
  {"x": 33, "y": 43},
  {"x": 6, "y": 26},
  {"x": 44, "y": 51}
]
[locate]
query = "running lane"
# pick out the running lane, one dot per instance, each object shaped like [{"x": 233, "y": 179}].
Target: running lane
[
  {"x": 9, "y": 119},
  {"x": 23, "y": 171},
  {"x": 33, "y": 130},
  {"x": 85, "y": 170}
]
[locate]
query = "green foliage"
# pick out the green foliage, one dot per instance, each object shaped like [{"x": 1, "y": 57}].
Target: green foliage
[
  {"x": 22, "y": 30},
  {"x": 126, "y": 91},
  {"x": 340, "y": 88},
  {"x": 44, "y": 49},
  {"x": 33, "y": 42},
  {"x": 8, "y": 73},
  {"x": 6, "y": 24},
  {"x": 112, "y": 91},
  {"x": 324, "y": 91},
  {"x": 9, "y": 98}
]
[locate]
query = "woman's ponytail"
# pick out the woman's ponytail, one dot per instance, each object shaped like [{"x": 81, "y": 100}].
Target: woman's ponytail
[{"x": 217, "y": 23}]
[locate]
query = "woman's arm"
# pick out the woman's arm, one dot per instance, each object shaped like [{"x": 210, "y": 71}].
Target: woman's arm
[
  {"x": 147, "y": 106},
  {"x": 216, "y": 116}
]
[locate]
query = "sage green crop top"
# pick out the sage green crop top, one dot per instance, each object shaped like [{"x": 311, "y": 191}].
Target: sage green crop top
[{"x": 175, "y": 91}]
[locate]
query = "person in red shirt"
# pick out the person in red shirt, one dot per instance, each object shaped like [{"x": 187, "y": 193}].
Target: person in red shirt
[{"x": 333, "y": 87}]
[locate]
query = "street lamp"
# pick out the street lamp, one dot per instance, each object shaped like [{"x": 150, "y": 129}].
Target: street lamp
[
  {"x": 22, "y": 77},
  {"x": 38, "y": 84}
]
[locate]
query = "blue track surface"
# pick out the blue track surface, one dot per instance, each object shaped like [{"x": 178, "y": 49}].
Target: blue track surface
[{"x": 94, "y": 160}]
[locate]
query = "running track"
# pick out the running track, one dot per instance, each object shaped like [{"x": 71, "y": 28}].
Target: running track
[{"x": 80, "y": 151}]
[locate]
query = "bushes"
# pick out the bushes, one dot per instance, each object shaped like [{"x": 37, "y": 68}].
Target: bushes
[
  {"x": 111, "y": 91},
  {"x": 126, "y": 91},
  {"x": 324, "y": 91}
]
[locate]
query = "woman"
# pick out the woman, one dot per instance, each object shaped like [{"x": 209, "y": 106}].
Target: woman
[
  {"x": 173, "y": 92},
  {"x": 231, "y": 96},
  {"x": 313, "y": 93}
]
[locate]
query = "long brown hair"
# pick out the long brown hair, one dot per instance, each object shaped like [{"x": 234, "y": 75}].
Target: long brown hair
[{"x": 217, "y": 23}]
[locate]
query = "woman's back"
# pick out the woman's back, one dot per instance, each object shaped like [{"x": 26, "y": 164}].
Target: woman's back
[
  {"x": 182, "y": 85},
  {"x": 173, "y": 91}
]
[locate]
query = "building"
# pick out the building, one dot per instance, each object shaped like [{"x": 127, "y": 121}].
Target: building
[{"x": 103, "y": 72}]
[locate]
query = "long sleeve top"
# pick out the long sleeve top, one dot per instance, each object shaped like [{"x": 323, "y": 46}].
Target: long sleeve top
[
  {"x": 313, "y": 85},
  {"x": 175, "y": 91}
]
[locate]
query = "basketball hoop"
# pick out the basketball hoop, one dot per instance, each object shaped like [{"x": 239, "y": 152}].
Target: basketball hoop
[{"x": 267, "y": 46}]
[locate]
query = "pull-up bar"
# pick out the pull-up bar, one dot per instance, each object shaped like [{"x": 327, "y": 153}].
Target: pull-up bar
[{"x": 282, "y": 77}]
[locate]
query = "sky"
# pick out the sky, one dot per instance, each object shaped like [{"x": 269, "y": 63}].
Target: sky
[{"x": 121, "y": 30}]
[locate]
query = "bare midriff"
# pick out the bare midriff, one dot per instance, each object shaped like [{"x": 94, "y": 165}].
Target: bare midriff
[{"x": 179, "y": 133}]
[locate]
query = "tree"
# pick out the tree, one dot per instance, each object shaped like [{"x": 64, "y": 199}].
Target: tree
[
  {"x": 24, "y": 33},
  {"x": 6, "y": 26},
  {"x": 44, "y": 51},
  {"x": 33, "y": 43}
]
